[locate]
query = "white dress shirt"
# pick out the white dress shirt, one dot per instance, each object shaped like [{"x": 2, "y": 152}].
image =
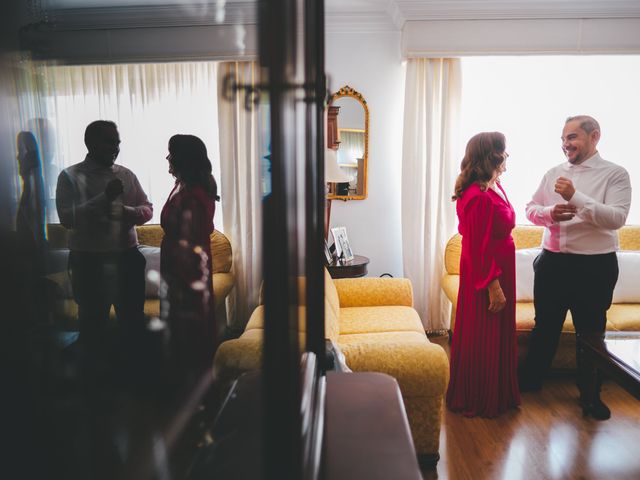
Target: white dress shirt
[
  {"x": 602, "y": 197},
  {"x": 97, "y": 225}
]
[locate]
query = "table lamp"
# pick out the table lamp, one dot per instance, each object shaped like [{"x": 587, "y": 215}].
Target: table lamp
[{"x": 332, "y": 174}]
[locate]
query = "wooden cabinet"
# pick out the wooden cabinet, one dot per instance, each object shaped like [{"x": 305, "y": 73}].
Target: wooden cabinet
[{"x": 333, "y": 139}]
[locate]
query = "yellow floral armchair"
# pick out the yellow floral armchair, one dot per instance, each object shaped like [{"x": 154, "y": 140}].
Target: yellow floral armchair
[{"x": 373, "y": 322}]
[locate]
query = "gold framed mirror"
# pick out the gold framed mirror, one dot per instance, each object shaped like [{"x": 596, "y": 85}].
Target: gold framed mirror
[{"x": 348, "y": 135}]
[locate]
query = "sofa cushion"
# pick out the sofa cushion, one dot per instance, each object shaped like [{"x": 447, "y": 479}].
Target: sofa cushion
[
  {"x": 627, "y": 289},
  {"x": 524, "y": 273},
  {"x": 450, "y": 284},
  {"x": 222, "y": 285},
  {"x": 379, "y": 319},
  {"x": 452, "y": 254},
  {"x": 58, "y": 259},
  {"x": 151, "y": 270},
  {"x": 374, "y": 291},
  {"x": 331, "y": 308},
  {"x": 624, "y": 317},
  {"x": 525, "y": 317},
  {"x": 331, "y": 323},
  {"x": 256, "y": 321},
  {"x": 420, "y": 366},
  {"x": 629, "y": 237},
  {"x": 150, "y": 234},
  {"x": 222, "y": 254},
  {"x": 151, "y": 308}
]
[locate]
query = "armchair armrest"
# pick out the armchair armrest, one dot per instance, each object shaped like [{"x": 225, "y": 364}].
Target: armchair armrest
[
  {"x": 374, "y": 292},
  {"x": 450, "y": 284}
]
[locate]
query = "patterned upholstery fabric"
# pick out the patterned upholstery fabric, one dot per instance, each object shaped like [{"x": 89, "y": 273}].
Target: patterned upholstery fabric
[
  {"x": 379, "y": 319},
  {"x": 624, "y": 317},
  {"x": 374, "y": 324},
  {"x": 331, "y": 310},
  {"x": 220, "y": 245},
  {"x": 66, "y": 310},
  {"x": 369, "y": 291}
]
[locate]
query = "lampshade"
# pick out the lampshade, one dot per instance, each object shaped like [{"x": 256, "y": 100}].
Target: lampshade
[{"x": 332, "y": 172}]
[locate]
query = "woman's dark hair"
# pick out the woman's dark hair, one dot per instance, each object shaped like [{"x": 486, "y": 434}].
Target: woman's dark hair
[
  {"x": 483, "y": 156},
  {"x": 190, "y": 163}
]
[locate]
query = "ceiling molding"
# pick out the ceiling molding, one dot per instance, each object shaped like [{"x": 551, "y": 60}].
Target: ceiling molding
[
  {"x": 516, "y": 9},
  {"x": 360, "y": 22},
  {"x": 361, "y": 16},
  {"x": 395, "y": 14},
  {"x": 341, "y": 15},
  {"x": 236, "y": 13}
]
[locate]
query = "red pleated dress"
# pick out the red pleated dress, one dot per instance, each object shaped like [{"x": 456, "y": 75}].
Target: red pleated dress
[
  {"x": 483, "y": 364},
  {"x": 186, "y": 266}
]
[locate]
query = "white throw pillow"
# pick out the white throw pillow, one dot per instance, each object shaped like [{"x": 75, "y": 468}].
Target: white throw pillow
[
  {"x": 58, "y": 260},
  {"x": 524, "y": 273},
  {"x": 152, "y": 270},
  {"x": 628, "y": 286}
]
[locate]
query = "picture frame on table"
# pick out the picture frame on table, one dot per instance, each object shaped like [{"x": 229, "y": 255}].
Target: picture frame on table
[
  {"x": 343, "y": 248},
  {"x": 328, "y": 256}
]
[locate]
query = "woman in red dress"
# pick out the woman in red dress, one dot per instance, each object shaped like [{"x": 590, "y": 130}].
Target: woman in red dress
[
  {"x": 185, "y": 259},
  {"x": 483, "y": 350}
]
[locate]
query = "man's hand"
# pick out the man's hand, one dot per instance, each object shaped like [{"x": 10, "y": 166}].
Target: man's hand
[
  {"x": 497, "y": 300},
  {"x": 113, "y": 189},
  {"x": 563, "y": 212},
  {"x": 565, "y": 188}
]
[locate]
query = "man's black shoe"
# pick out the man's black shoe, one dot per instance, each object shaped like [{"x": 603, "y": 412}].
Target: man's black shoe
[{"x": 597, "y": 409}]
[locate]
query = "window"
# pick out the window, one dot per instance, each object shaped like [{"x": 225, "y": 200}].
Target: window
[
  {"x": 149, "y": 102},
  {"x": 528, "y": 98}
]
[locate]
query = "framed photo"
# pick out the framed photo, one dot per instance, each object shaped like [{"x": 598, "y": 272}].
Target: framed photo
[
  {"x": 328, "y": 258},
  {"x": 343, "y": 249}
]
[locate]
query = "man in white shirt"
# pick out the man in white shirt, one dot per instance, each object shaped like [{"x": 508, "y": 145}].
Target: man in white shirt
[
  {"x": 100, "y": 203},
  {"x": 581, "y": 203}
]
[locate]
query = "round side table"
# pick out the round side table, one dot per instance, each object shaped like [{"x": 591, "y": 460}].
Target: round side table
[{"x": 351, "y": 269}]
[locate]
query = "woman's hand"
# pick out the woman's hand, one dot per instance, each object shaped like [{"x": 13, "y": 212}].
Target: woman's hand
[{"x": 497, "y": 300}]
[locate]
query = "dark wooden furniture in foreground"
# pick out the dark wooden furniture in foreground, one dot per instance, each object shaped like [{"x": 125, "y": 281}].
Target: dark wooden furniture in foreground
[
  {"x": 617, "y": 356},
  {"x": 351, "y": 269},
  {"x": 367, "y": 433}
]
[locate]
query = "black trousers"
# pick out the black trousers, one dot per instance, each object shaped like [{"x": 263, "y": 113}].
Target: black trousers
[
  {"x": 582, "y": 284},
  {"x": 100, "y": 280}
]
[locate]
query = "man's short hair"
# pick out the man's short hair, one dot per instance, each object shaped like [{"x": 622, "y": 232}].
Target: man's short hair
[
  {"x": 94, "y": 129},
  {"x": 587, "y": 123}
]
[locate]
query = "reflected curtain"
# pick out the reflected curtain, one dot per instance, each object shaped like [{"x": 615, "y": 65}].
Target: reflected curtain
[
  {"x": 241, "y": 152},
  {"x": 150, "y": 102},
  {"x": 430, "y": 164}
]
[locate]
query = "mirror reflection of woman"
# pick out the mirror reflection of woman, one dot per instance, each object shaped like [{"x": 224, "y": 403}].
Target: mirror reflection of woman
[
  {"x": 187, "y": 221},
  {"x": 30, "y": 217},
  {"x": 483, "y": 349}
]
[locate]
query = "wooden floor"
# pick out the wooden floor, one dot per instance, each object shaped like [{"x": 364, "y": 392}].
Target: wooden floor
[{"x": 546, "y": 438}]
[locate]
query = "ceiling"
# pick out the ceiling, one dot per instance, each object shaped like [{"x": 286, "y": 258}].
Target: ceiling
[{"x": 358, "y": 15}]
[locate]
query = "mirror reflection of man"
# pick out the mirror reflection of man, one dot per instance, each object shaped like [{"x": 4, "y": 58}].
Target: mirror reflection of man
[{"x": 100, "y": 203}]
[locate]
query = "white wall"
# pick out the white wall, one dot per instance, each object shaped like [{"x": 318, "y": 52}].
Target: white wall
[{"x": 370, "y": 62}]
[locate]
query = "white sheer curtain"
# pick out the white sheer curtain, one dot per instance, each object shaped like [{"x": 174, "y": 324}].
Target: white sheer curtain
[
  {"x": 241, "y": 151},
  {"x": 150, "y": 102},
  {"x": 430, "y": 164}
]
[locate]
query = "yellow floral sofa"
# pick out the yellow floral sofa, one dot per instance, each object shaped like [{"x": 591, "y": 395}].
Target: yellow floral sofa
[
  {"x": 373, "y": 322},
  {"x": 149, "y": 236},
  {"x": 624, "y": 314}
]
